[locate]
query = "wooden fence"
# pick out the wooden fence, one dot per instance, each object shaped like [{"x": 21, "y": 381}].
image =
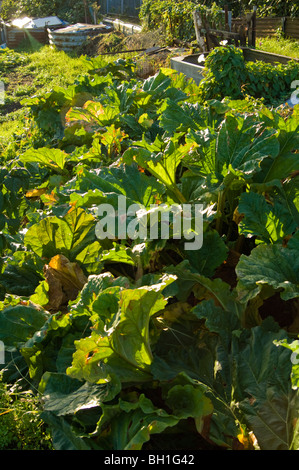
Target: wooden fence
[{"x": 269, "y": 26}]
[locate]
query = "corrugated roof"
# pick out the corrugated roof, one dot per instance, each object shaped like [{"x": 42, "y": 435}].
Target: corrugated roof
[
  {"x": 32, "y": 23},
  {"x": 78, "y": 27}
]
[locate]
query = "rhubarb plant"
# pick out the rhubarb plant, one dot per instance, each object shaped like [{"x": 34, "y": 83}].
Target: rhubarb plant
[{"x": 137, "y": 342}]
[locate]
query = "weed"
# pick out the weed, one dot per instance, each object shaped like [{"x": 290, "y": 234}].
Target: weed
[{"x": 20, "y": 425}]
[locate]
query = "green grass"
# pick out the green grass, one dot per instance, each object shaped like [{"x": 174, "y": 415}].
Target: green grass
[
  {"x": 282, "y": 46},
  {"x": 28, "y": 71},
  {"x": 51, "y": 68},
  {"x": 31, "y": 70},
  {"x": 20, "y": 425}
]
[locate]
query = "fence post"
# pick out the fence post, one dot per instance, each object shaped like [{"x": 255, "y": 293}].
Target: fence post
[
  {"x": 226, "y": 14},
  {"x": 2, "y": 353},
  {"x": 254, "y": 26},
  {"x": 198, "y": 25},
  {"x": 283, "y": 24},
  {"x": 230, "y": 17}
]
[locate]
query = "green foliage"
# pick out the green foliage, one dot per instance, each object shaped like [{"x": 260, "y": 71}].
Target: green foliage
[
  {"x": 10, "y": 59},
  {"x": 71, "y": 10},
  {"x": 133, "y": 341},
  {"x": 283, "y": 46},
  {"x": 269, "y": 7},
  {"x": 227, "y": 74},
  {"x": 21, "y": 427},
  {"x": 268, "y": 81},
  {"x": 175, "y": 17}
]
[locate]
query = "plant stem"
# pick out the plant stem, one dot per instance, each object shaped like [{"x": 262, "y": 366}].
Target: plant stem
[{"x": 220, "y": 209}]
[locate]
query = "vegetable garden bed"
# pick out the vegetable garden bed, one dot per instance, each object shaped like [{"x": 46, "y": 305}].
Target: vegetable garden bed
[
  {"x": 189, "y": 65},
  {"x": 137, "y": 343}
]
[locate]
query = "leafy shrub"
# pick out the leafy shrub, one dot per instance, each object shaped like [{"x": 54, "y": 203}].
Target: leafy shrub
[
  {"x": 227, "y": 74},
  {"x": 268, "y": 7},
  {"x": 176, "y": 17},
  {"x": 270, "y": 82},
  {"x": 70, "y": 10},
  {"x": 224, "y": 73}
]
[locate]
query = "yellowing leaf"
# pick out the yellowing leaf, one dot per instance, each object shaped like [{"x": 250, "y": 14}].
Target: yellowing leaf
[
  {"x": 248, "y": 440},
  {"x": 71, "y": 272},
  {"x": 49, "y": 198},
  {"x": 36, "y": 192},
  {"x": 65, "y": 280}
]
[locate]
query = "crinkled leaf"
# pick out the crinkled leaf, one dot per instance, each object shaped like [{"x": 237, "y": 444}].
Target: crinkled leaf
[
  {"x": 20, "y": 322},
  {"x": 211, "y": 255},
  {"x": 49, "y": 157},
  {"x": 161, "y": 158},
  {"x": 122, "y": 181},
  {"x": 281, "y": 166},
  {"x": 67, "y": 236},
  {"x": 275, "y": 421},
  {"x": 65, "y": 396},
  {"x": 124, "y": 351},
  {"x": 22, "y": 273},
  {"x": 128, "y": 425},
  {"x": 92, "y": 115},
  {"x": 240, "y": 145},
  {"x": 262, "y": 386},
  {"x": 272, "y": 265},
  {"x": 181, "y": 118},
  {"x": 269, "y": 222}
]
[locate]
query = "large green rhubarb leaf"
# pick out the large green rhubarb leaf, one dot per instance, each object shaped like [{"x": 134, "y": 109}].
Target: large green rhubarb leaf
[
  {"x": 161, "y": 158},
  {"x": 240, "y": 145},
  {"x": 51, "y": 158},
  {"x": 22, "y": 273},
  {"x": 128, "y": 425},
  {"x": 276, "y": 168},
  {"x": 19, "y": 323},
  {"x": 107, "y": 184},
  {"x": 271, "y": 265},
  {"x": 262, "y": 386},
  {"x": 65, "y": 396},
  {"x": 68, "y": 235},
  {"x": 255, "y": 374},
  {"x": 269, "y": 222},
  {"x": 123, "y": 350}
]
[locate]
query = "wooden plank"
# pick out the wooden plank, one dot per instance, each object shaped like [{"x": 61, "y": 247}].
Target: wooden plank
[
  {"x": 253, "y": 55},
  {"x": 225, "y": 34},
  {"x": 198, "y": 24}
]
